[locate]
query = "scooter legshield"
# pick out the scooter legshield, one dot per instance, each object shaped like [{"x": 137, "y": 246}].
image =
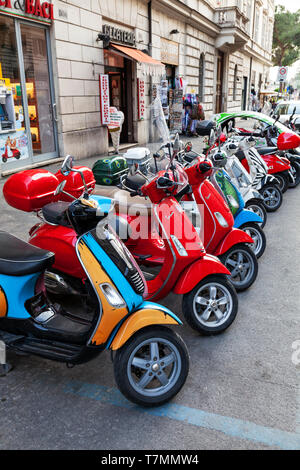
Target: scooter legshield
[
  {"x": 235, "y": 237},
  {"x": 207, "y": 266},
  {"x": 148, "y": 314},
  {"x": 246, "y": 216}
]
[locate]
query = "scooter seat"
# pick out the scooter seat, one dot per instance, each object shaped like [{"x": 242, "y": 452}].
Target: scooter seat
[
  {"x": 267, "y": 150},
  {"x": 18, "y": 258},
  {"x": 55, "y": 213}
]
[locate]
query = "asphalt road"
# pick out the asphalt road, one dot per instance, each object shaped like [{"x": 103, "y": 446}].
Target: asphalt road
[{"x": 242, "y": 391}]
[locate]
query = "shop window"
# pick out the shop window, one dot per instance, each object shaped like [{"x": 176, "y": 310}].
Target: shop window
[
  {"x": 201, "y": 77},
  {"x": 235, "y": 80},
  {"x": 13, "y": 137},
  {"x": 38, "y": 89}
]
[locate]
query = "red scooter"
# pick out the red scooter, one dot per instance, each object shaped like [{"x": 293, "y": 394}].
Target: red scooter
[
  {"x": 214, "y": 219},
  {"x": 210, "y": 302}
]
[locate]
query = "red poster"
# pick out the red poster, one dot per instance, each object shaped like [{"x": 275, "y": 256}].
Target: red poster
[{"x": 104, "y": 99}]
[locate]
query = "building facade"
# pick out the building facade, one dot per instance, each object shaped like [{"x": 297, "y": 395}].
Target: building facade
[{"x": 52, "y": 101}]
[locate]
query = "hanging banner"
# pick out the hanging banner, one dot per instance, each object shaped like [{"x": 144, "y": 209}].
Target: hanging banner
[
  {"x": 115, "y": 127},
  {"x": 104, "y": 99},
  {"x": 141, "y": 99}
]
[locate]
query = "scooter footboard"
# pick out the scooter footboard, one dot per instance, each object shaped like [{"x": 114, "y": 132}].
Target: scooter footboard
[
  {"x": 207, "y": 266},
  {"x": 149, "y": 314},
  {"x": 234, "y": 237}
]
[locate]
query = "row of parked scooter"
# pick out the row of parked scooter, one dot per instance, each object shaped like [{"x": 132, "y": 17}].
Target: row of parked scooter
[{"x": 101, "y": 257}]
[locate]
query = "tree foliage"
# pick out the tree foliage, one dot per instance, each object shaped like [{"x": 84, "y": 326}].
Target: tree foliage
[{"x": 286, "y": 39}]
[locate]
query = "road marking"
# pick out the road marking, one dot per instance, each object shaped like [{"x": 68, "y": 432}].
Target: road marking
[{"x": 230, "y": 426}]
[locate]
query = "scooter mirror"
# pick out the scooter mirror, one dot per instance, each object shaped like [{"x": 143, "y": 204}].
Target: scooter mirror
[
  {"x": 188, "y": 146},
  {"x": 176, "y": 145},
  {"x": 212, "y": 138},
  {"x": 60, "y": 188},
  {"x": 159, "y": 155},
  {"x": 219, "y": 131},
  {"x": 67, "y": 165}
]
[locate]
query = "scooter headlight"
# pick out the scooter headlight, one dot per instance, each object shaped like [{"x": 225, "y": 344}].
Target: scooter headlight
[
  {"x": 112, "y": 296},
  {"x": 179, "y": 247},
  {"x": 221, "y": 220}
]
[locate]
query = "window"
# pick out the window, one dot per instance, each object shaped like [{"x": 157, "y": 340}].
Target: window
[
  {"x": 235, "y": 79},
  {"x": 201, "y": 77}
]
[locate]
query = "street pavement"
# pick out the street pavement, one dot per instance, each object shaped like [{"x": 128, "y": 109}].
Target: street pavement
[{"x": 242, "y": 391}]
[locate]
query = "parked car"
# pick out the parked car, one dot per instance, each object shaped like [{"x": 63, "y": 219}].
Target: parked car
[{"x": 285, "y": 109}]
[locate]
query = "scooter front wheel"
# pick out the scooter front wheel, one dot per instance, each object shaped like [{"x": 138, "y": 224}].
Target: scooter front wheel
[
  {"x": 257, "y": 206},
  {"x": 272, "y": 197},
  {"x": 152, "y": 367},
  {"x": 284, "y": 181},
  {"x": 242, "y": 263},
  {"x": 295, "y": 169},
  {"x": 258, "y": 236},
  {"x": 211, "y": 307}
]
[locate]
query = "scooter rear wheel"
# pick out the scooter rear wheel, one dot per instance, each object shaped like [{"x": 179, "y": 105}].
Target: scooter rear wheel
[
  {"x": 272, "y": 197},
  {"x": 242, "y": 263},
  {"x": 257, "y": 206},
  {"x": 152, "y": 367},
  {"x": 211, "y": 307}
]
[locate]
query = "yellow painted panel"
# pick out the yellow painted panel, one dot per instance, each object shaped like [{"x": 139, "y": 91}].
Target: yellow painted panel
[
  {"x": 3, "y": 304},
  {"x": 139, "y": 320},
  {"x": 110, "y": 316}
]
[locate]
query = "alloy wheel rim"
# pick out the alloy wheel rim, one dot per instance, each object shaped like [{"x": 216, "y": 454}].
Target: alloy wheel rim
[
  {"x": 154, "y": 367},
  {"x": 271, "y": 197},
  {"x": 241, "y": 266},
  {"x": 212, "y": 305},
  {"x": 256, "y": 237}
]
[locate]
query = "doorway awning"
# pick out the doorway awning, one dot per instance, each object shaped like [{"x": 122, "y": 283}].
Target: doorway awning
[{"x": 150, "y": 66}]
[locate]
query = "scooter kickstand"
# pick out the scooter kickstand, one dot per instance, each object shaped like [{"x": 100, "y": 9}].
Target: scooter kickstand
[{"x": 5, "y": 369}]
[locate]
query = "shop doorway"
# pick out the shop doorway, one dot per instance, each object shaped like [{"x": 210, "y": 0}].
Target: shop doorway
[
  {"x": 219, "y": 82},
  {"x": 119, "y": 70}
]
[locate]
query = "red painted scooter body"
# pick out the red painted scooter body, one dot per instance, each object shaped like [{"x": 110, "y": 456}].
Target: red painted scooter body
[{"x": 61, "y": 241}]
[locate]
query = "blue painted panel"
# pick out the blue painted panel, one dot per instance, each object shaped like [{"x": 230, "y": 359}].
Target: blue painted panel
[
  {"x": 18, "y": 289},
  {"x": 246, "y": 216}
]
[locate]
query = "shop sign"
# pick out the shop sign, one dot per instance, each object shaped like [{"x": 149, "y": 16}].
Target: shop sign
[
  {"x": 119, "y": 35},
  {"x": 33, "y": 9},
  {"x": 104, "y": 99},
  {"x": 141, "y": 99},
  {"x": 169, "y": 52}
]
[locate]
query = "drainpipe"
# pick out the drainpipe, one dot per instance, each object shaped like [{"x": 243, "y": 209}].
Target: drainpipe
[
  {"x": 150, "y": 26},
  {"x": 150, "y": 52}
]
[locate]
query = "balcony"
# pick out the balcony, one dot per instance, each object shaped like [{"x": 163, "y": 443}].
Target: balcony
[{"x": 234, "y": 33}]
